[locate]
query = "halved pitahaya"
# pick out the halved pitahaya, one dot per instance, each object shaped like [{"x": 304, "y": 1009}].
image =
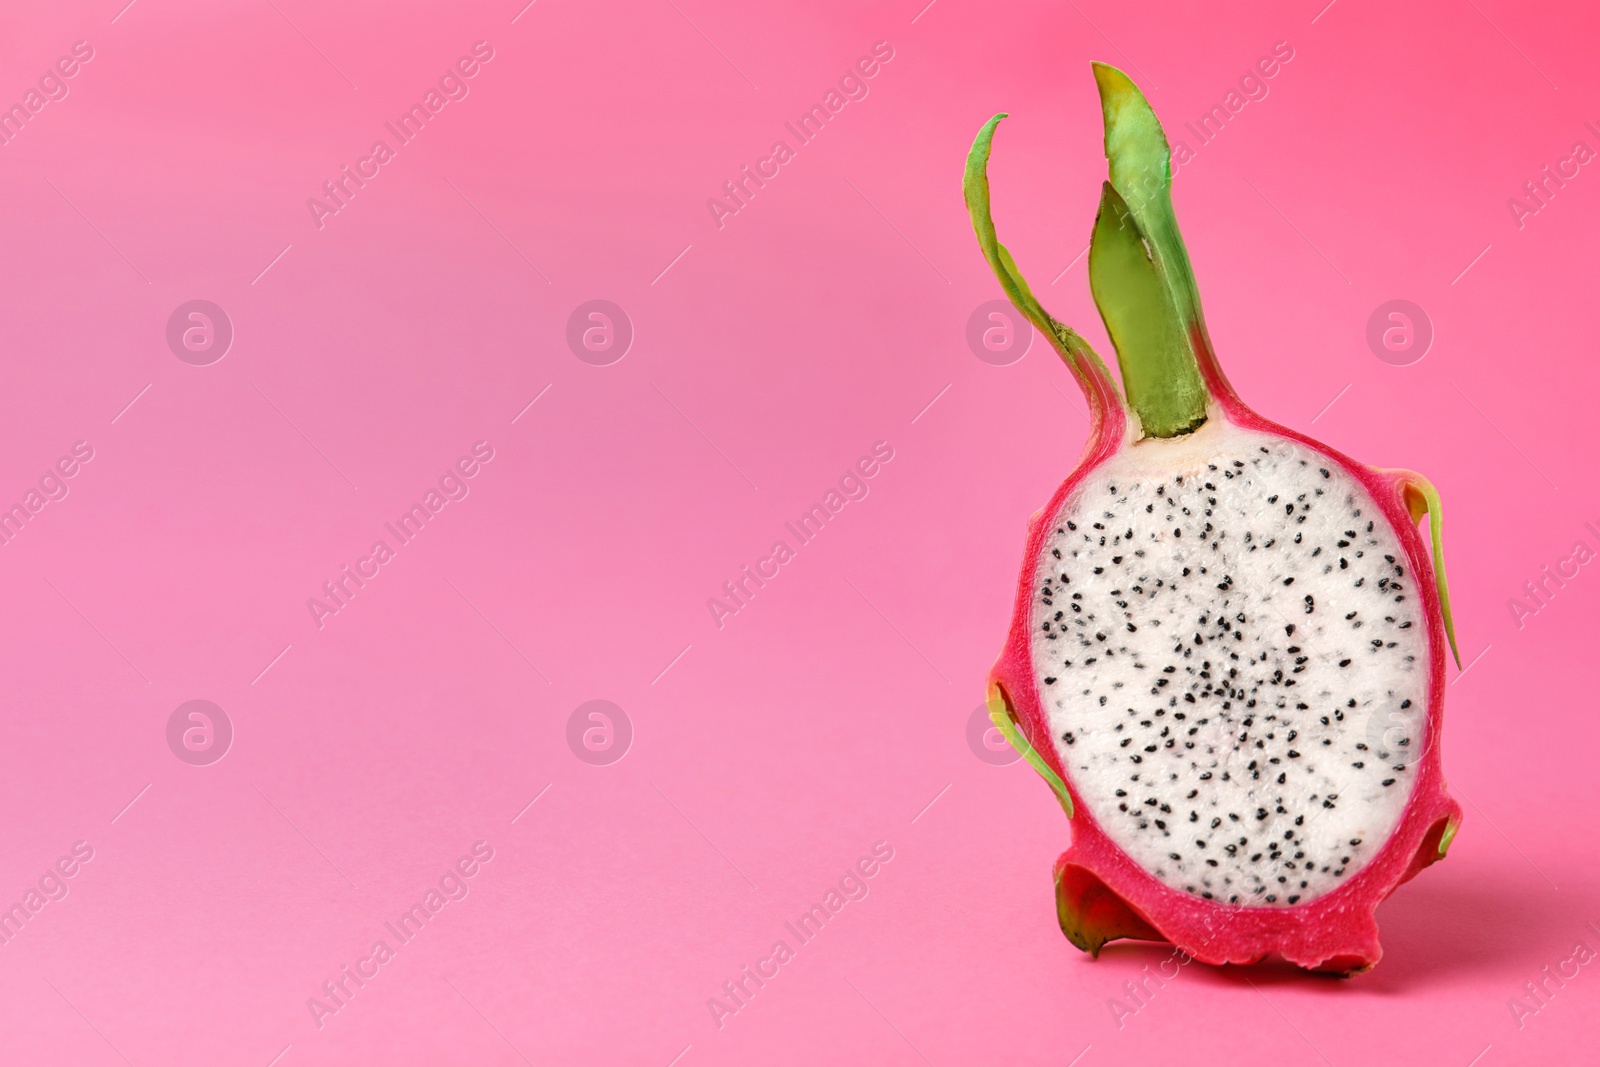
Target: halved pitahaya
[{"x": 1227, "y": 652}]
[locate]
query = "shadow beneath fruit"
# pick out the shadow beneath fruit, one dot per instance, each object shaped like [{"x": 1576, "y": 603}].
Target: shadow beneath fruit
[
  {"x": 1441, "y": 929},
  {"x": 1435, "y": 931}
]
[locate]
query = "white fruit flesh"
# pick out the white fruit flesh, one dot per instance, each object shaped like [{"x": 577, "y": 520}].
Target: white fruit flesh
[{"x": 1234, "y": 662}]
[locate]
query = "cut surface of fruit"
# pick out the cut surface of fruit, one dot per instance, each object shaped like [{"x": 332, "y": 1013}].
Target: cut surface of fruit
[
  {"x": 1220, "y": 619},
  {"x": 1228, "y": 644}
]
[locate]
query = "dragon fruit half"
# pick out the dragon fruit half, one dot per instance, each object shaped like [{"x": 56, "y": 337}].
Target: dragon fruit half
[{"x": 1227, "y": 653}]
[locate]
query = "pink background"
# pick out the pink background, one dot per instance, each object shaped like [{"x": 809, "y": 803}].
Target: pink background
[{"x": 770, "y": 753}]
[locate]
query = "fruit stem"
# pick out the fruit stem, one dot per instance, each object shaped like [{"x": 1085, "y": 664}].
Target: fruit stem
[
  {"x": 1145, "y": 288},
  {"x": 1159, "y": 371},
  {"x": 1093, "y": 376}
]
